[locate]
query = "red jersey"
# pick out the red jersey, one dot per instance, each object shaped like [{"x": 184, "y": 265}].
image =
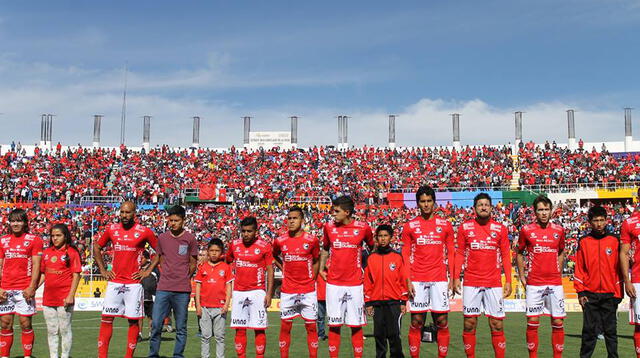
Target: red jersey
[
  {"x": 483, "y": 250},
  {"x": 543, "y": 247},
  {"x": 128, "y": 246},
  {"x": 57, "y": 275},
  {"x": 344, "y": 243},
  {"x": 428, "y": 249},
  {"x": 250, "y": 264},
  {"x": 213, "y": 279},
  {"x": 17, "y": 253},
  {"x": 630, "y": 235},
  {"x": 298, "y": 254}
]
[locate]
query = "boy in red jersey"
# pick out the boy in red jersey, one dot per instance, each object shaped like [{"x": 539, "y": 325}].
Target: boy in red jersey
[
  {"x": 124, "y": 296},
  {"x": 598, "y": 282},
  {"x": 252, "y": 260},
  {"x": 483, "y": 251},
  {"x": 630, "y": 245},
  {"x": 213, "y": 297},
  {"x": 20, "y": 255},
  {"x": 297, "y": 253},
  {"x": 342, "y": 243},
  {"x": 543, "y": 243},
  {"x": 428, "y": 251}
]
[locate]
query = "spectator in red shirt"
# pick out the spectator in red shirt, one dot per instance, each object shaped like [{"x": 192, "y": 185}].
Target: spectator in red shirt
[{"x": 61, "y": 268}]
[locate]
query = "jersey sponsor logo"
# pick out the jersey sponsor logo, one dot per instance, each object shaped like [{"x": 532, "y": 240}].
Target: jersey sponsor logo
[
  {"x": 294, "y": 258},
  {"x": 468, "y": 226},
  {"x": 538, "y": 249},
  {"x": 471, "y": 310},
  {"x": 337, "y": 244},
  {"x": 120, "y": 247},
  {"x": 482, "y": 245},
  {"x": 428, "y": 240},
  {"x": 239, "y": 322},
  {"x": 496, "y": 227},
  {"x": 242, "y": 263},
  {"x": 15, "y": 255},
  {"x": 246, "y": 303},
  {"x": 335, "y": 320}
]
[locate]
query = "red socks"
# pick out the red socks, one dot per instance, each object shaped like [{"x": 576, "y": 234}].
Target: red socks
[
  {"x": 27, "y": 341},
  {"x": 469, "y": 340},
  {"x": 261, "y": 343},
  {"x": 334, "y": 342},
  {"x": 557, "y": 340},
  {"x": 443, "y": 340},
  {"x": 357, "y": 340},
  {"x": 132, "y": 339},
  {"x": 6, "y": 341},
  {"x": 499, "y": 343},
  {"x": 241, "y": 342},
  {"x": 532, "y": 338},
  {"x": 414, "y": 341},
  {"x": 104, "y": 337},
  {"x": 285, "y": 337},
  {"x": 312, "y": 338}
]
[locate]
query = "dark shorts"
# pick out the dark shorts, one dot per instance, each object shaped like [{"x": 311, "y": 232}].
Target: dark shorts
[{"x": 148, "y": 308}]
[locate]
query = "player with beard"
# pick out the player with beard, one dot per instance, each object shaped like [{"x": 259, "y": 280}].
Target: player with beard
[
  {"x": 483, "y": 254},
  {"x": 252, "y": 260},
  {"x": 124, "y": 296},
  {"x": 342, "y": 242},
  {"x": 296, "y": 254}
]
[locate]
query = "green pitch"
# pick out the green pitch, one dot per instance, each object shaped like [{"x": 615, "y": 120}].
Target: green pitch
[{"x": 86, "y": 326}]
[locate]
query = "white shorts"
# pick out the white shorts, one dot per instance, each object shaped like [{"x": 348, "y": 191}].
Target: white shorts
[
  {"x": 304, "y": 305},
  {"x": 430, "y": 297},
  {"x": 123, "y": 300},
  {"x": 345, "y": 305},
  {"x": 248, "y": 309},
  {"x": 545, "y": 300},
  {"x": 487, "y": 300},
  {"x": 17, "y": 304},
  {"x": 634, "y": 307}
]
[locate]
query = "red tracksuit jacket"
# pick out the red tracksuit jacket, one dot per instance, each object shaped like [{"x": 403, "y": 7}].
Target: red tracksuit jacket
[
  {"x": 385, "y": 278},
  {"x": 597, "y": 265}
]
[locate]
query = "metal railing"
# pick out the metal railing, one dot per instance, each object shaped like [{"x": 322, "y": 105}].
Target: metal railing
[
  {"x": 96, "y": 199},
  {"x": 315, "y": 200},
  {"x": 571, "y": 187}
]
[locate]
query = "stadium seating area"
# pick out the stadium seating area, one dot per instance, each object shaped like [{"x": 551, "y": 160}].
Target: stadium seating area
[{"x": 262, "y": 182}]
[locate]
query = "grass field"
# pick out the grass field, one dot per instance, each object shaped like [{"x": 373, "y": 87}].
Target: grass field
[{"x": 86, "y": 325}]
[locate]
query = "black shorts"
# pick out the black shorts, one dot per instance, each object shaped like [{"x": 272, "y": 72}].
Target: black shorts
[{"x": 148, "y": 308}]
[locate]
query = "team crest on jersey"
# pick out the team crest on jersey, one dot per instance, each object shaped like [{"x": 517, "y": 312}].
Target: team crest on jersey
[
  {"x": 556, "y": 236},
  {"x": 136, "y": 235},
  {"x": 493, "y": 235},
  {"x": 438, "y": 229},
  {"x": 221, "y": 273},
  {"x": 305, "y": 246},
  {"x": 533, "y": 235},
  {"x": 609, "y": 251},
  {"x": 284, "y": 248},
  {"x": 54, "y": 259},
  {"x": 355, "y": 232},
  {"x": 392, "y": 266},
  {"x": 257, "y": 251},
  {"x": 27, "y": 243}
]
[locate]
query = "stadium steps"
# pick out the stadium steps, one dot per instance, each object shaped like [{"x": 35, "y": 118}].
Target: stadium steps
[{"x": 515, "y": 175}]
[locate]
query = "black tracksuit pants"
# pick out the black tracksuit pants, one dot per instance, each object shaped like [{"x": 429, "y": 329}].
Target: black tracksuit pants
[
  {"x": 599, "y": 311},
  {"x": 386, "y": 328}
]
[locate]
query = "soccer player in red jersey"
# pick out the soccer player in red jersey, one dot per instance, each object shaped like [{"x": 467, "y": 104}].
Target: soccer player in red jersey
[
  {"x": 124, "y": 295},
  {"x": 296, "y": 254},
  {"x": 342, "y": 243},
  {"x": 428, "y": 251},
  {"x": 20, "y": 255},
  {"x": 543, "y": 244},
  {"x": 252, "y": 260},
  {"x": 630, "y": 256},
  {"x": 483, "y": 252}
]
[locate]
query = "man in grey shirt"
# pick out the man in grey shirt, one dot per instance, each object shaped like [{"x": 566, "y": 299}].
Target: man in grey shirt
[{"x": 177, "y": 253}]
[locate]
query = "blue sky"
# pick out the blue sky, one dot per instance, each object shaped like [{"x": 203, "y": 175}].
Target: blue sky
[{"x": 222, "y": 60}]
